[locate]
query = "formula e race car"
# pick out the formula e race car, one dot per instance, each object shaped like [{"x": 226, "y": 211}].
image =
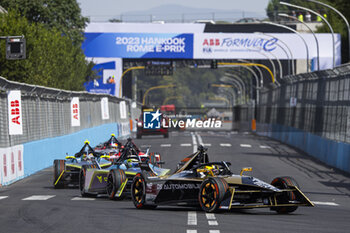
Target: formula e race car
[
  {"x": 111, "y": 147},
  {"x": 212, "y": 186},
  {"x": 66, "y": 172},
  {"x": 115, "y": 181}
]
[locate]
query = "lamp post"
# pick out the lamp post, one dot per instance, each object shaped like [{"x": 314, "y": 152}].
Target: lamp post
[
  {"x": 305, "y": 24},
  {"x": 258, "y": 69},
  {"x": 249, "y": 64},
  {"x": 236, "y": 78},
  {"x": 290, "y": 29},
  {"x": 340, "y": 14},
  {"x": 126, "y": 71},
  {"x": 291, "y": 60},
  {"x": 323, "y": 18},
  {"x": 154, "y": 88}
]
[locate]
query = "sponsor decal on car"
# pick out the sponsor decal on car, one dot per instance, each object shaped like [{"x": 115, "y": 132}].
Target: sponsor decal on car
[{"x": 178, "y": 186}]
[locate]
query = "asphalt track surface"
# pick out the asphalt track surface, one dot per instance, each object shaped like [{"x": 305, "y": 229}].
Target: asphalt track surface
[{"x": 64, "y": 211}]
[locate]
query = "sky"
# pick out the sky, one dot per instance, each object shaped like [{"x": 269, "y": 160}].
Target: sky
[{"x": 102, "y": 10}]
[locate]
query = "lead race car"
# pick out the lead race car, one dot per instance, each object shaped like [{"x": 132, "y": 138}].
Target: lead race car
[
  {"x": 66, "y": 172},
  {"x": 116, "y": 179},
  {"x": 212, "y": 186}
]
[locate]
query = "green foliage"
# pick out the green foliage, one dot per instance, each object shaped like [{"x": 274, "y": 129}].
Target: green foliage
[
  {"x": 52, "y": 59},
  {"x": 65, "y": 15}
]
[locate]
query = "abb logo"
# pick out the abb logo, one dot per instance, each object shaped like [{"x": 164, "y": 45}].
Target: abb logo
[
  {"x": 15, "y": 116},
  {"x": 75, "y": 111},
  {"x": 211, "y": 42},
  {"x": 15, "y": 112}
]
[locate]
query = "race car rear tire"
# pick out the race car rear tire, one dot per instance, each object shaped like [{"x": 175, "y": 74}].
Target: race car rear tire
[
  {"x": 211, "y": 193},
  {"x": 58, "y": 166},
  {"x": 284, "y": 183},
  {"x": 115, "y": 179},
  {"x": 138, "y": 192}
]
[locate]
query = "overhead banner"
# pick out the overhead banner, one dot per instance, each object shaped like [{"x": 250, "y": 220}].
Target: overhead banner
[
  {"x": 122, "y": 108},
  {"x": 263, "y": 46},
  {"x": 15, "y": 112},
  {"x": 104, "y": 108},
  {"x": 75, "y": 111},
  {"x": 139, "y": 45}
]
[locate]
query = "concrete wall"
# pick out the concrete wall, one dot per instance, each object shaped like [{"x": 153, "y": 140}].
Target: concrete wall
[
  {"x": 333, "y": 153},
  {"x": 29, "y": 158}
]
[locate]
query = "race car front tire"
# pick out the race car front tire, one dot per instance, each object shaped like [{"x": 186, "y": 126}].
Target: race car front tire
[
  {"x": 284, "y": 183},
  {"x": 138, "y": 192},
  {"x": 211, "y": 193},
  {"x": 115, "y": 179},
  {"x": 58, "y": 177}
]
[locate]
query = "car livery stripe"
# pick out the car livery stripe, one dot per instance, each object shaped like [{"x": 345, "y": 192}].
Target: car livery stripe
[{"x": 59, "y": 177}]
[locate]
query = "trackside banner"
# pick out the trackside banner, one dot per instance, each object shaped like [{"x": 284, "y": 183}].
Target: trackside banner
[
  {"x": 75, "y": 111},
  {"x": 15, "y": 112},
  {"x": 11, "y": 164},
  {"x": 104, "y": 108},
  {"x": 138, "y": 45}
]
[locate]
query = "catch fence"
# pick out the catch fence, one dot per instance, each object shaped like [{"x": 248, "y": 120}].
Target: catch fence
[
  {"x": 46, "y": 112},
  {"x": 317, "y": 102}
]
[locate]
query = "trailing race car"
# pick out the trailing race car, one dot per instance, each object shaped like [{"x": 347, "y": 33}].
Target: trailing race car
[
  {"x": 112, "y": 147},
  {"x": 116, "y": 179},
  {"x": 66, "y": 172},
  {"x": 213, "y": 186}
]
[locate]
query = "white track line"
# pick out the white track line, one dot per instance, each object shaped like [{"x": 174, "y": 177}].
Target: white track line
[
  {"x": 3, "y": 197},
  {"x": 246, "y": 145},
  {"x": 191, "y": 231},
  {"x": 225, "y": 144},
  {"x": 206, "y": 144},
  {"x": 200, "y": 140},
  {"x": 186, "y": 144},
  {"x": 194, "y": 142},
  {"x": 213, "y": 223},
  {"x": 192, "y": 218},
  {"x": 83, "y": 199},
  {"x": 210, "y": 216},
  {"x": 265, "y": 147},
  {"x": 214, "y": 231},
  {"x": 38, "y": 198},
  {"x": 165, "y": 145},
  {"x": 325, "y": 203}
]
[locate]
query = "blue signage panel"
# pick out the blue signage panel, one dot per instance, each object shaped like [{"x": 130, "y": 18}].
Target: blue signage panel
[{"x": 139, "y": 45}]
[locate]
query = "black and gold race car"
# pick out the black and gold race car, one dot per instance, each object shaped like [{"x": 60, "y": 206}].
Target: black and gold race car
[
  {"x": 66, "y": 171},
  {"x": 212, "y": 186}
]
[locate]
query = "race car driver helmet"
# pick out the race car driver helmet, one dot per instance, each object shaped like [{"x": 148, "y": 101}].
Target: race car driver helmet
[{"x": 132, "y": 163}]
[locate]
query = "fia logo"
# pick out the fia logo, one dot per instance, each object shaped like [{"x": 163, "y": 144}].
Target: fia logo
[{"x": 151, "y": 120}]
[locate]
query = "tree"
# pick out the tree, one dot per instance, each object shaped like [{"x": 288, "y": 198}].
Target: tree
[
  {"x": 52, "y": 59},
  {"x": 64, "y": 15}
]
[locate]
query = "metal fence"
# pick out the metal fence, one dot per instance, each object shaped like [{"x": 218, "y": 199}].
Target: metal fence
[
  {"x": 47, "y": 112},
  {"x": 317, "y": 102}
]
